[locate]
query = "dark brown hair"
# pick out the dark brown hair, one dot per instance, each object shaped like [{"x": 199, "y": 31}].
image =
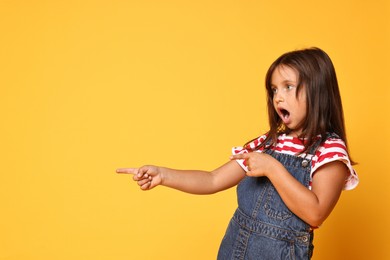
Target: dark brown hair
[{"x": 317, "y": 75}]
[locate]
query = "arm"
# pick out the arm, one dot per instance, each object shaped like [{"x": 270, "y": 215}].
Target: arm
[
  {"x": 312, "y": 206},
  {"x": 190, "y": 181}
]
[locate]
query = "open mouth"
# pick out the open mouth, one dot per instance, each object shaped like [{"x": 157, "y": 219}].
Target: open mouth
[{"x": 285, "y": 113}]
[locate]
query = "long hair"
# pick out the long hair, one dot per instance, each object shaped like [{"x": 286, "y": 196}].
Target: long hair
[{"x": 324, "y": 109}]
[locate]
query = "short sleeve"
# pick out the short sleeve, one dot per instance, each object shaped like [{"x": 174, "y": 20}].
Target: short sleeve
[
  {"x": 251, "y": 146},
  {"x": 334, "y": 149},
  {"x": 241, "y": 162}
]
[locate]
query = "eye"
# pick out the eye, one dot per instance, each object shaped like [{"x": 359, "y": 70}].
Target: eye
[
  {"x": 274, "y": 90},
  {"x": 289, "y": 87}
]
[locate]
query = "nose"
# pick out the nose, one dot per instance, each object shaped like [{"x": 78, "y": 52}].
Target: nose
[{"x": 278, "y": 98}]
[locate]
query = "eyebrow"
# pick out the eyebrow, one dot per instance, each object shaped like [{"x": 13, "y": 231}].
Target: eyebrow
[{"x": 284, "y": 82}]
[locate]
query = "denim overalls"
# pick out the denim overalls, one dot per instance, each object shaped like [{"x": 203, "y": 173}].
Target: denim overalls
[{"x": 262, "y": 226}]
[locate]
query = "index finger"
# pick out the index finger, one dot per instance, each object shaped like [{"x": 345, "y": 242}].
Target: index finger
[
  {"x": 127, "y": 170},
  {"x": 240, "y": 156}
]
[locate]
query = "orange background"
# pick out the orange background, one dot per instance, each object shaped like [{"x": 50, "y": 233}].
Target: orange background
[{"x": 91, "y": 86}]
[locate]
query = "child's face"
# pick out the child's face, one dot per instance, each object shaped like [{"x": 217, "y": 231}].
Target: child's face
[{"x": 290, "y": 107}]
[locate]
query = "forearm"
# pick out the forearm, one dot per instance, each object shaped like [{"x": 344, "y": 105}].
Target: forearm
[
  {"x": 203, "y": 182},
  {"x": 313, "y": 206},
  {"x": 298, "y": 198},
  {"x": 190, "y": 181}
]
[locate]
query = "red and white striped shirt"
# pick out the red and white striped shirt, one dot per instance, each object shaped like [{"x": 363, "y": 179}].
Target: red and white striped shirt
[{"x": 333, "y": 149}]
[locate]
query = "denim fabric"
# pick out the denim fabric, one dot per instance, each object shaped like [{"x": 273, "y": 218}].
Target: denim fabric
[{"x": 263, "y": 227}]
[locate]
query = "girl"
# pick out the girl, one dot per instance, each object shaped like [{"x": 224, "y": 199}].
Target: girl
[{"x": 289, "y": 179}]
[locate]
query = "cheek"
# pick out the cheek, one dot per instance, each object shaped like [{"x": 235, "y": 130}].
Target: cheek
[
  {"x": 301, "y": 100},
  {"x": 302, "y": 107},
  {"x": 302, "y": 96},
  {"x": 274, "y": 103}
]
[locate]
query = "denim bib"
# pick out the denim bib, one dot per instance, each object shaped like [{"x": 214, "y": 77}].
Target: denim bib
[{"x": 262, "y": 226}]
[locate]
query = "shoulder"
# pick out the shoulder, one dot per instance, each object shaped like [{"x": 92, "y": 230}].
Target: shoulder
[
  {"x": 255, "y": 143},
  {"x": 334, "y": 149},
  {"x": 250, "y": 146}
]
